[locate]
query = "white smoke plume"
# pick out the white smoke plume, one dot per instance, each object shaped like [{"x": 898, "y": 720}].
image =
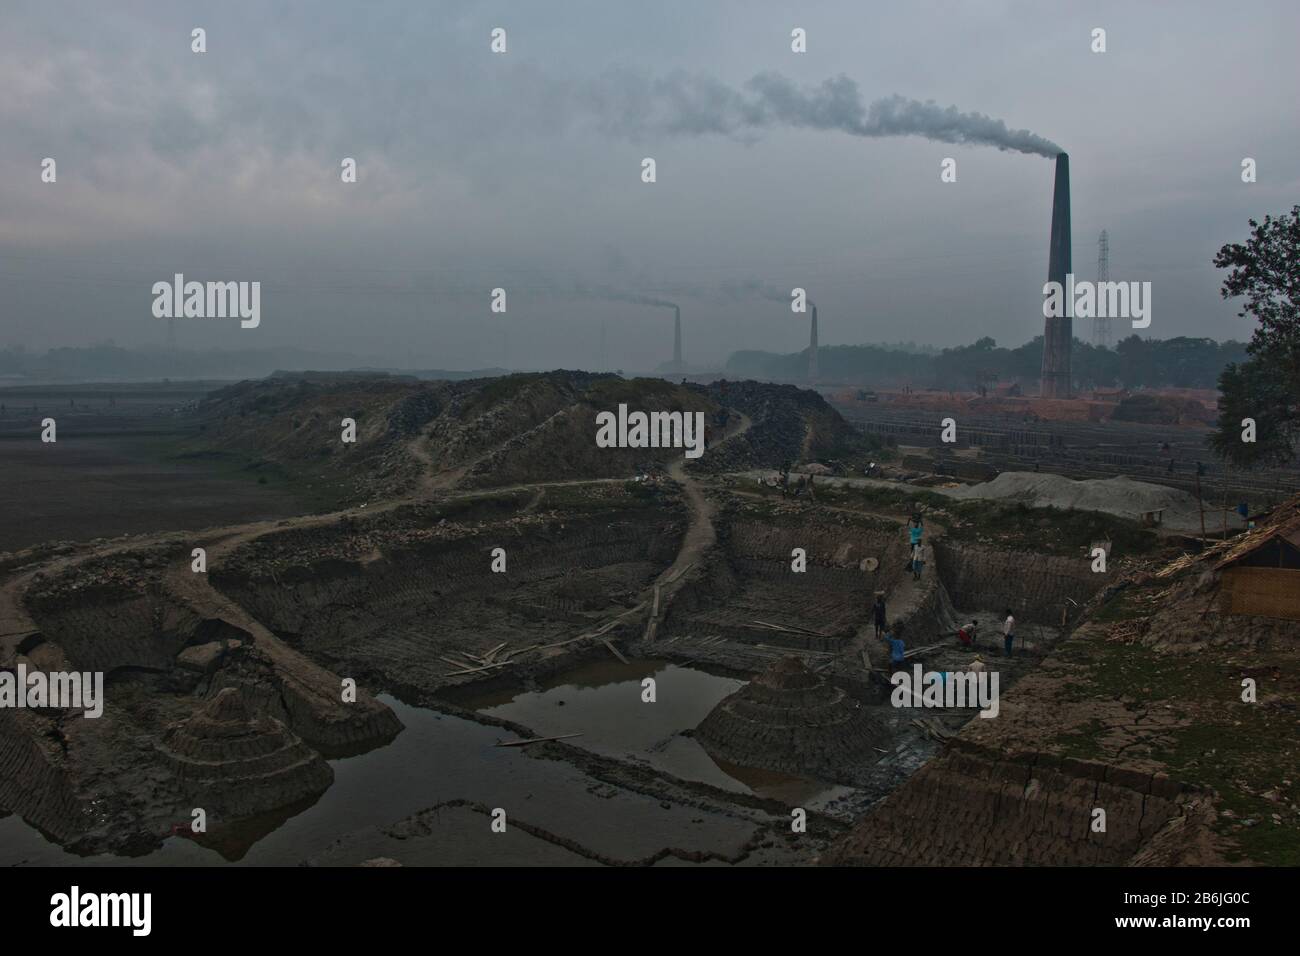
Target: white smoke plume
[{"x": 628, "y": 104}]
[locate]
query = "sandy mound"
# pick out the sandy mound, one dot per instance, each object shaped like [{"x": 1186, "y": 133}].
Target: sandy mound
[{"x": 1122, "y": 497}]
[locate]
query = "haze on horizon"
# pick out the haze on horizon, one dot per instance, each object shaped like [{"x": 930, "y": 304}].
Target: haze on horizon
[{"x": 523, "y": 171}]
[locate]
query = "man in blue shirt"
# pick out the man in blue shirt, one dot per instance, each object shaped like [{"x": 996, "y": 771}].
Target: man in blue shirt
[
  {"x": 914, "y": 532},
  {"x": 895, "y": 645}
]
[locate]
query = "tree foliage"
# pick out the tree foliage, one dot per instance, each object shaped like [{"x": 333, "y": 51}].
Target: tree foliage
[{"x": 1265, "y": 271}]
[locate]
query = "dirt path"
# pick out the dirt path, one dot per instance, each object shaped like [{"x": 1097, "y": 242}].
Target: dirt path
[
  {"x": 806, "y": 445},
  {"x": 699, "y": 538},
  {"x": 16, "y": 625}
]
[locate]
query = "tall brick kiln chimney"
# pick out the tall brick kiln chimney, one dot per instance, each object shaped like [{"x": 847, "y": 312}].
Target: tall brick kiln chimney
[
  {"x": 812, "y": 349},
  {"x": 677, "y": 339},
  {"x": 1058, "y": 332}
]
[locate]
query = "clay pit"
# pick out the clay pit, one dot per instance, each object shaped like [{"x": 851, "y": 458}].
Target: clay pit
[{"x": 685, "y": 655}]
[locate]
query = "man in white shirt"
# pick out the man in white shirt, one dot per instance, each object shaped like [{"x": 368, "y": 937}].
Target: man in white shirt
[{"x": 1009, "y": 632}]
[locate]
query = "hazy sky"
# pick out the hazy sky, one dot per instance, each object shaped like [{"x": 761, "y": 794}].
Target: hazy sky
[{"x": 523, "y": 170}]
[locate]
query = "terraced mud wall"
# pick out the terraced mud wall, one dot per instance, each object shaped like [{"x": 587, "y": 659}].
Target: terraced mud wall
[
  {"x": 753, "y": 578},
  {"x": 98, "y": 633},
  {"x": 974, "y": 808},
  {"x": 924, "y": 607},
  {"x": 392, "y": 619},
  {"x": 1035, "y": 586},
  {"x": 30, "y": 785}
]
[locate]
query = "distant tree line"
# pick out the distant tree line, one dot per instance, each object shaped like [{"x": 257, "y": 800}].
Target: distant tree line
[
  {"x": 1134, "y": 362},
  {"x": 109, "y": 361}
]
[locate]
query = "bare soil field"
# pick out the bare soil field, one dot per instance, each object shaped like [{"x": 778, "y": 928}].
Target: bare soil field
[{"x": 77, "y": 489}]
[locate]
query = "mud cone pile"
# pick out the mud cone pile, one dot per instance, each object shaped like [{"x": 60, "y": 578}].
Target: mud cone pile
[
  {"x": 790, "y": 720},
  {"x": 236, "y": 765}
]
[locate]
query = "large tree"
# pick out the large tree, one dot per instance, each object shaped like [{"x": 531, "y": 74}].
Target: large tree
[{"x": 1266, "y": 387}]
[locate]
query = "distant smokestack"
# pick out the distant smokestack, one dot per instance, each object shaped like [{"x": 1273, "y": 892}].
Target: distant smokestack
[
  {"x": 677, "y": 339},
  {"x": 1058, "y": 332},
  {"x": 812, "y": 349}
]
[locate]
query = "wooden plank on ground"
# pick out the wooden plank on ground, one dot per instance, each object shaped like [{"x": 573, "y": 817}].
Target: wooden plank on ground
[
  {"x": 613, "y": 650},
  {"x": 789, "y": 627},
  {"x": 677, "y": 574},
  {"x": 921, "y": 650},
  {"x": 475, "y": 670},
  {"x": 533, "y": 740}
]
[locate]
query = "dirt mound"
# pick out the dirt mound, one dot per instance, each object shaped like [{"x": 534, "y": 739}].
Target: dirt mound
[
  {"x": 494, "y": 432},
  {"x": 788, "y": 424},
  {"x": 562, "y": 445},
  {"x": 290, "y": 429},
  {"x": 233, "y": 764},
  {"x": 791, "y": 720},
  {"x": 1122, "y": 497}
]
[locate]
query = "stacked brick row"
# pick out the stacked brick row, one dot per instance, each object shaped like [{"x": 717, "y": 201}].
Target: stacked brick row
[{"x": 980, "y": 809}]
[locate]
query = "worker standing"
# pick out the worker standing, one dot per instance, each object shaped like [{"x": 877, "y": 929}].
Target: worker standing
[
  {"x": 897, "y": 655},
  {"x": 1009, "y": 632},
  {"x": 915, "y": 529},
  {"x": 878, "y": 613}
]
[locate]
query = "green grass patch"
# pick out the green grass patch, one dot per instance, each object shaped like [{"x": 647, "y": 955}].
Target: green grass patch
[
  {"x": 1011, "y": 525},
  {"x": 1238, "y": 755},
  {"x": 315, "y": 492},
  {"x": 1048, "y": 530},
  {"x": 1241, "y": 750},
  {"x": 1121, "y": 607},
  {"x": 1081, "y": 744}
]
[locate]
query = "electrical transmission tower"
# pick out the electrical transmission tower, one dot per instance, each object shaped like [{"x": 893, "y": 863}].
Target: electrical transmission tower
[{"x": 1101, "y": 325}]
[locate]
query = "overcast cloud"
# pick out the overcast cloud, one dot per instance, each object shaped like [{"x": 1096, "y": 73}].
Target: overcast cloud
[{"x": 523, "y": 170}]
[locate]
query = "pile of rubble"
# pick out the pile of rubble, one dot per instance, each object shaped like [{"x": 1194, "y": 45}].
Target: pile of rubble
[
  {"x": 787, "y": 424},
  {"x": 110, "y": 578}
]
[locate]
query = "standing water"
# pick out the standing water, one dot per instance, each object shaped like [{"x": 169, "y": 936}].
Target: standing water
[{"x": 603, "y": 701}]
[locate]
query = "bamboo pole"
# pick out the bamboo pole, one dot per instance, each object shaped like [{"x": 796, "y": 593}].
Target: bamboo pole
[
  {"x": 1225, "y": 500},
  {"x": 1200, "y": 502}
]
